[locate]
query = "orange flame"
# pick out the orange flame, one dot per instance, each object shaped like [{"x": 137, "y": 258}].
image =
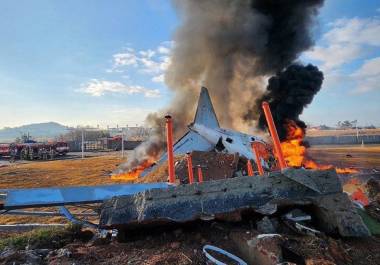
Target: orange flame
[
  {"x": 134, "y": 173},
  {"x": 295, "y": 152},
  {"x": 360, "y": 196}
]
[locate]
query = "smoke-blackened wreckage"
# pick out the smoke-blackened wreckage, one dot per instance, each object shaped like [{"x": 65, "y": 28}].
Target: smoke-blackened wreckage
[{"x": 209, "y": 173}]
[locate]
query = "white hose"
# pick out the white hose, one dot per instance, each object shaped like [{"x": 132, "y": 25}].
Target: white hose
[{"x": 223, "y": 252}]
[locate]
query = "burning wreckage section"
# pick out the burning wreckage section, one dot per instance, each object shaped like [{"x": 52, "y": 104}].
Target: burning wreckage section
[{"x": 230, "y": 174}]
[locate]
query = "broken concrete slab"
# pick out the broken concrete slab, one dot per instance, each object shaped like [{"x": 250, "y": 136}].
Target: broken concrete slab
[
  {"x": 373, "y": 188},
  {"x": 373, "y": 209},
  {"x": 265, "y": 226},
  {"x": 336, "y": 213},
  {"x": 214, "y": 198}
]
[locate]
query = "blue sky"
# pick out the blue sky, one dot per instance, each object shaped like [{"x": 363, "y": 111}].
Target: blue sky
[{"x": 102, "y": 62}]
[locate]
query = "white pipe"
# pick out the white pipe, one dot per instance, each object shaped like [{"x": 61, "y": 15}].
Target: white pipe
[
  {"x": 26, "y": 227},
  {"x": 41, "y": 213}
]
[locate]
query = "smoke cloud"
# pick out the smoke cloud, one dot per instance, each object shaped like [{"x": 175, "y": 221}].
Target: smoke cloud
[
  {"x": 231, "y": 47},
  {"x": 288, "y": 93}
]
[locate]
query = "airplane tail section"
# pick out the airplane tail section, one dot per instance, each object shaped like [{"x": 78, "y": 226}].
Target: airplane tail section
[{"x": 205, "y": 114}]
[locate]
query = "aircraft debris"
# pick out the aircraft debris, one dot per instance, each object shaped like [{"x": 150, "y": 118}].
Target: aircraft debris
[{"x": 205, "y": 134}]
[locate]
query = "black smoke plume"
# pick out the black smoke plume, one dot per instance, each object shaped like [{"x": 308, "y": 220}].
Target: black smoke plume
[
  {"x": 288, "y": 93},
  {"x": 230, "y": 47}
]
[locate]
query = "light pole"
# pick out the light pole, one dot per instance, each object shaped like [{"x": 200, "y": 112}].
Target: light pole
[
  {"x": 357, "y": 130},
  {"x": 82, "y": 143},
  {"x": 122, "y": 142}
]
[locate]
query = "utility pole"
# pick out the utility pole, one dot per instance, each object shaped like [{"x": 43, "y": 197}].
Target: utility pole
[
  {"x": 122, "y": 142},
  {"x": 82, "y": 143},
  {"x": 357, "y": 131}
]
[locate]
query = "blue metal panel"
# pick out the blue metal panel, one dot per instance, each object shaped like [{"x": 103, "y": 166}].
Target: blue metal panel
[{"x": 23, "y": 198}]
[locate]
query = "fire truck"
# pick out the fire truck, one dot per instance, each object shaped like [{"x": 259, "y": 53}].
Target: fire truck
[{"x": 31, "y": 150}]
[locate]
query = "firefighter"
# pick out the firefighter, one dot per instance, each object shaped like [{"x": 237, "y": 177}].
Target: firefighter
[
  {"x": 13, "y": 153},
  {"x": 31, "y": 153},
  {"x": 51, "y": 153},
  {"x": 45, "y": 154},
  {"x": 24, "y": 153}
]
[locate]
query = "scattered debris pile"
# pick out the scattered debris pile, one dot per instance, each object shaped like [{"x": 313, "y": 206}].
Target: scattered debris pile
[
  {"x": 183, "y": 245},
  {"x": 214, "y": 165}
]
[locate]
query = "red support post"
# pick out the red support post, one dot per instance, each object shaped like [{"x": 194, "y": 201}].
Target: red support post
[
  {"x": 255, "y": 150},
  {"x": 274, "y": 135},
  {"x": 200, "y": 174},
  {"x": 249, "y": 168},
  {"x": 169, "y": 145},
  {"x": 190, "y": 168}
]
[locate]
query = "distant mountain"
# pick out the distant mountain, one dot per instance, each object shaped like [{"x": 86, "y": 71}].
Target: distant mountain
[{"x": 38, "y": 131}]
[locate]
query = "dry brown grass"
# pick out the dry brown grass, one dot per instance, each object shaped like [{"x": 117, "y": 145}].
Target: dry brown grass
[
  {"x": 17, "y": 219},
  {"x": 367, "y": 157},
  {"x": 342, "y": 132},
  {"x": 88, "y": 171}
]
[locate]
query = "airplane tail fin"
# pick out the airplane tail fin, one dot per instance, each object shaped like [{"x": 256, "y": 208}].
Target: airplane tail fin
[{"x": 205, "y": 114}]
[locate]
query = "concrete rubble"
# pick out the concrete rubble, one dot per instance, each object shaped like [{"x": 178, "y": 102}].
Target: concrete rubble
[
  {"x": 266, "y": 226},
  {"x": 319, "y": 190}
]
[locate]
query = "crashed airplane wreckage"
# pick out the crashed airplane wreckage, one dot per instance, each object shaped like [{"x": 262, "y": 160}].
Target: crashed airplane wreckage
[
  {"x": 205, "y": 134},
  {"x": 131, "y": 205}
]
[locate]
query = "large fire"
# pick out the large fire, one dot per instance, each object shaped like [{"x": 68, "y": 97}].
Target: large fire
[
  {"x": 295, "y": 151},
  {"x": 134, "y": 173}
]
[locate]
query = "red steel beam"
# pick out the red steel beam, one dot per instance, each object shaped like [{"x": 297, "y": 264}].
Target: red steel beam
[
  {"x": 274, "y": 135},
  {"x": 255, "y": 150},
  {"x": 200, "y": 174},
  {"x": 169, "y": 145},
  {"x": 190, "y": 168},
  {"x": 249, "y": 168}
]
